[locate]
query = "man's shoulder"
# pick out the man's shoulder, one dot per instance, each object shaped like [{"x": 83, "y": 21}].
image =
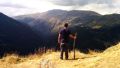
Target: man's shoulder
[
  {"x": 65, "y": 30},
  {"x": 61, "y": 30}
]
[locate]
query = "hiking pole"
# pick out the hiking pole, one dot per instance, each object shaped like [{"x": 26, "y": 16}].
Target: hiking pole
[{"x": 74, "y": 46}]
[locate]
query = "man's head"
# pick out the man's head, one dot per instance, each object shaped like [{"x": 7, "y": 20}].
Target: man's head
[{"x": 66, "y": 25}]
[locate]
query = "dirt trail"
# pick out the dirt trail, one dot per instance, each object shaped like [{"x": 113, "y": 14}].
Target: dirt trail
[{"x": 85, "y": 61}]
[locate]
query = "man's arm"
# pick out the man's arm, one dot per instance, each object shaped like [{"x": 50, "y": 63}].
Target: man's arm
[
  {"x": 72, "y": 36},
  {"x": 59, "y": 38}
]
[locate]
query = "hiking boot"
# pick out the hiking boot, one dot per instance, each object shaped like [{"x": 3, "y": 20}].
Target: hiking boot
[
  {"x": 61, "y": 58},
  {"x": 66, "y": 58}
]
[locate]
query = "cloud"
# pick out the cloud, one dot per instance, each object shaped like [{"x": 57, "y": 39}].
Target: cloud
[
  {"x": 12, "y": 5},
  {"x": 10, "y": 11},
  {"x": 80, "y": 2}
]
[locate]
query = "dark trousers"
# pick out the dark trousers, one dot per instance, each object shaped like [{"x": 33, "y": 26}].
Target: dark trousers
[{"x": 64, "y": 48}]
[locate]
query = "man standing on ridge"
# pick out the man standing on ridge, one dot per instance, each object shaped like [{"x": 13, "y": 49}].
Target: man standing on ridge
[{"x": 63, "y": 39}]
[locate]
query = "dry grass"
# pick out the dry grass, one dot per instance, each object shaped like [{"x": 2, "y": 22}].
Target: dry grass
[{"x": 108, "y": 59}]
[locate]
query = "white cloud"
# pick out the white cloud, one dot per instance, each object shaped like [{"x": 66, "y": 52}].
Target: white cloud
[
  {"x": 15, "y": 11},
  {"x": 81, "y": 2}
]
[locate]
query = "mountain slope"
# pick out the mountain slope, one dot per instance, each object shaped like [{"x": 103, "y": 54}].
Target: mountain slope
[
  {"x": 55, "y": 18},
  {"x": 105, "y": 21},
  {"x": 16, "y": 36}
]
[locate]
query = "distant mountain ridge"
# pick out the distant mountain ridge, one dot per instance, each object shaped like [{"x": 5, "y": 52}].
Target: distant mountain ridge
[{"x": 57, "y": 17}]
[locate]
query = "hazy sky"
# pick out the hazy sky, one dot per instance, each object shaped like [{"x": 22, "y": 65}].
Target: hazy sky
[{"x": 20, "y": 7}]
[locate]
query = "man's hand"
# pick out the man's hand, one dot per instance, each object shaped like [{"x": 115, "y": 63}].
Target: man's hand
[
  {"x": 59, "y": 39},
  {"x": 75, "y": 37}
]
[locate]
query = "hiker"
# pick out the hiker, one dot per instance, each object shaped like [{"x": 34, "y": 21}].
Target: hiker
[{"x": 63, "y": 39}]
